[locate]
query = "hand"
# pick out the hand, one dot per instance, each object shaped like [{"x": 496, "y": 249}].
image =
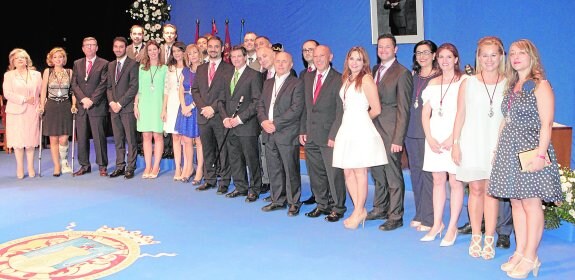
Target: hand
[
  {"x": 74, "y": 109},
  {"x": 396, "y": 148},
  {"x": 303, "y": 139},
  {"x": 227, "y": 123},
  {"x": 136, "y": 112},
  {"x": 268, "y": 126},
  {"x": 447, "y": 144},
  {"x": 434, "y": 145},
  {"x": 40, "y": 110},
  {"x": 207, "y": 112},
  {"x": 234, "y": 122},
  {"x": 30, "y": 100},
  {"x": 456, "y": 154},
  {"x": 536, "y": 164},
  {"x": 163, "y": 115},
  {"x": 87, "y": 103},
  {"x": 330, "y": 143}
]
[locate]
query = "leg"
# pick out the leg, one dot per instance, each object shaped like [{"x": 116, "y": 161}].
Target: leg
[
  {"x": 318, "y": 180},
  {"x": 188, "y": 157},
  {"x": 55, "y": 153},
  {"x": 147, "y": 146},
  {"x": 251, "y": 154},
  {"x": 381, "y": 195},
  {"x": 533, "y": 227},
  {"x": 520, "y": 227},
  {"x": 63, "y": 150},
  {"x": 19, "y": 155},
  {"x": 119, "y": 140},
  {"x": 30, "y": 161},
  {"x": 475, "y": 205},
  {"x": 158, "y": 151},
  {"x": 200, "y": 159},
  {"x": 177, "y": 147},
  {"x": 336, "y": 182},
  {"x": 456, "y": 203},
  {"x": 99, "y": 137},
  {"x": 439, "y": 179}
]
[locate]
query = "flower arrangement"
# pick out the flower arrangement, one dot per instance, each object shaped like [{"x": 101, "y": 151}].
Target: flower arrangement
[
  {"x": 564, "y": 211},
  {"x": 152, "y": 14}
]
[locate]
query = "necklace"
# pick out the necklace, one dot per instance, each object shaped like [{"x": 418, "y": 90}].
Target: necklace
[
  {"x": 443, "y": 94},
  {"x": 490, "y": 95},
  {"x": 22, "y": 76},
  {"x": 59, "y": 77},
  {"x": 422, "y": 82},
  {"x": 152, "y": 76}
]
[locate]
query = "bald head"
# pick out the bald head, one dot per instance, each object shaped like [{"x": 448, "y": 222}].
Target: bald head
[
  {"x": 265, "y": 57},
  {"x": 322, "y": 56},
  {"x": 283, "y": 63}
]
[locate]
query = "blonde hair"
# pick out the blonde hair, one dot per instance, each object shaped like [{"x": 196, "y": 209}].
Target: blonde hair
[
  {"x": 53, "y": 52},
  {"x": 19, "y": 51},
  {"x": 536, "y": 72},
  {"x": 490, "y": 41}
]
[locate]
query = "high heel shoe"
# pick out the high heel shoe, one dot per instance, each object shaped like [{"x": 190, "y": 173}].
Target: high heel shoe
[
  {"x": 509, "y": 266},
  {"x": 430, "y": 237},
  {"x": 354, "y": 223},
  {"x": 178, "y": 177},
  {"x": 154, "y": 175},
  {"x": 475, "y": 246},
  {"x": 488, "y": 251},
  {"x": 445, "y": 243},
  {"x": 535, "y": 265}
]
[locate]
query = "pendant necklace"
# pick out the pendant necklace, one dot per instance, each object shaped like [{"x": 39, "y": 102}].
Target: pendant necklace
[
  {"x": 490, "y": 95},
  {"x": 59, "y": 80},
  {"x": 423, "y": 81},
  {"x": 443, "y": 94},
  {"x": 152, "y": 76}
]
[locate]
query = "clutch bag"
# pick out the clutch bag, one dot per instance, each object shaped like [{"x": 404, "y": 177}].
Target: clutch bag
[{"x": 526, "y": 156}]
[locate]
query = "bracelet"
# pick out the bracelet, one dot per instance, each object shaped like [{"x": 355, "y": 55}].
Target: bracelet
[
  {"x": 456, "y": 142},
  {"x": 541, "y": 156}
]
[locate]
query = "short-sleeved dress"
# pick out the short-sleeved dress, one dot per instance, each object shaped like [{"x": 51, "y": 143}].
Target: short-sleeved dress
[
  {"x": 481, "y": 128},
  {"x": 188, "y": 126},
  {"x": 519, "y": 134},
  {"x": 151, "y": 98},
  {"x": 173, "y": 79},
  {"x": 357, "y": 143},
  {"x": 443, "y": 101},
  {"x": 57, "y": 111}
]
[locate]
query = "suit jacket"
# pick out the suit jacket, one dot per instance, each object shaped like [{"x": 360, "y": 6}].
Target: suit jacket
[
  {"x": 163, "y": 54},
  {"x": 394, "y": 91},
  {"x": 255, "y": 65},
  {"x": 321, "y": 121},
  {"x": 15, "y": 91},
  {"x": 125, "y": 89},
  {"x": 205, "y": 95},
  {"x": 132, "y": 53},
  {"x": 92, "y": 86},
  {"x": 287, "y": 110},
  {"x": 248, "y": 86}
]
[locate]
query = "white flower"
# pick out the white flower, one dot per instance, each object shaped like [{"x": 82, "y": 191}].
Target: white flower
[
  {"x": 560, "y": 172},
  {"x": 571, "y": 179},
  {"x": 563, "y": 179},
  {"x": 572, "y": 213},
  {"x": 569, "y": 198},
  {"x": 542, "y": 206}
]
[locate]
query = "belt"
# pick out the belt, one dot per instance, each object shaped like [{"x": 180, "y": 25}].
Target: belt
[{"x": 58, "y": 99}]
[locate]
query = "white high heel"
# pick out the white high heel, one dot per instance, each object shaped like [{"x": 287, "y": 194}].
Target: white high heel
[{"x": 430, "y": 237}]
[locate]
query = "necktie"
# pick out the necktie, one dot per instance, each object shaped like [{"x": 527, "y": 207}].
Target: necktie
[
  {"x": 89, "y": 67},
  {"x": 118, "y": 69},
  {"x": 136, "y": 50},
  {"x": 234, "y": 82},
  {"x": 309, "y": 69},
  {"x": 380, "y": 73},
  {"x": 317, "y": 88},
  {"x": 250, "y": 60},
  {"x": 211, "y": 73},
  {"x": 269, "y": 75}
]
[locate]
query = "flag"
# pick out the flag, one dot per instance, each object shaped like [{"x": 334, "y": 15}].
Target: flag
[
  {"x": 242, "y": 30},
  {"x": 227, "y": 44},
  {"x": 197, "y": 30},
  {"x": 214, "y": 28}
]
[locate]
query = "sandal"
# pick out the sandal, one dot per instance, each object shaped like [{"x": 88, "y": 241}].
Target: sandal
[
  {"x": 423, "y": 228},
  {"x": 509, "y": 266},
  {"x": 488, "y": 251},
  {"x": 475, "y": 246}
]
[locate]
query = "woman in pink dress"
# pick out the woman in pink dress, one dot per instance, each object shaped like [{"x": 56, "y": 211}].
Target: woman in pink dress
[{"x": 22, "y": 86}]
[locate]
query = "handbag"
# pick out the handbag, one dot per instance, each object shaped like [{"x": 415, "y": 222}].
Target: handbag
[{"x": 526, "y": 156}]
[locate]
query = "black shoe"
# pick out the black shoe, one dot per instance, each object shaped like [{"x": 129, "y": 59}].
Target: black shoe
[
  {"x": 293, "y": 210},
  {"x": 316, "y": 212},
  {"x": 128, "y": 174},
  {"x": 83, "y": 170},
  {"x": 503, "y": 241},
  {"x": 310, "y": 200},
  {"x": 268, "y": 199},
  {"x": 265, "y": 188},
  {"x": 117, "y": 173},
  {"x": 235, "y": 193},
  {"x": 376, "y": 214},
  {"x": 205, "y": 187},
  {"x": 273, "y": 207},
  {"x": 57, "y": 174},
  {"x": 391, "y": 225},
  {"x": 252, "y": 197},
  {"x": 333, "y": 217},
  {"x": 466, "y": 228},
  {"x": 222, "y": 190}
]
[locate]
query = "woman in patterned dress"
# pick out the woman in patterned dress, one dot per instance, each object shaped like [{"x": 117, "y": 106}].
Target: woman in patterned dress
[
  {"x": 528, "y": 109},
  {"x": 22, "y": 86}
]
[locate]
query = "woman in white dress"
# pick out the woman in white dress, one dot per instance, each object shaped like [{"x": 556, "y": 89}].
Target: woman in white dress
[
  {"x": 357, "y": 143},
  {"x": 174, "y": 80},
  {"x": 437, "y": 118},
  {"x": 475, "y": 136}
]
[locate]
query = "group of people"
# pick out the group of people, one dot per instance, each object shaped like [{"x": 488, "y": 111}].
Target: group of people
[{"x": 249, "y": 118}]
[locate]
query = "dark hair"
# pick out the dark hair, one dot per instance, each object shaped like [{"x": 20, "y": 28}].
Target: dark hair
[
  {"x": 145, "y": 62},
  {"x": 432, "y": 46},
  {"x": 385, "y": 36},
  {"x": 180, "y": 45},
  {"x": 305, "y": 64},
  {"x": 241, "y": 48},
  {"x": 216, "y": 38},
  {"x": 450, "y": 47},
  {"x": 120, "y": 39}
]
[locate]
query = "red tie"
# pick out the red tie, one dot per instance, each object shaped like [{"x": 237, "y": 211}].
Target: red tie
[
  {"x": 89, "y": 67},
  {"x": 212, "y": 73},
  {"x": 380, "y": 73},
  {"x": 309, "y": 69},
  {"x": 317, "y": 88}
]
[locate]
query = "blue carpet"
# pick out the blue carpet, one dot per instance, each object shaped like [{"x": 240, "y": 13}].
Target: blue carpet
[{"x": 215, "y": 237}]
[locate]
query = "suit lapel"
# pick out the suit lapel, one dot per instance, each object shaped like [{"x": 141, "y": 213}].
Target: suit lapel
[{"x": 239, "y": 82}]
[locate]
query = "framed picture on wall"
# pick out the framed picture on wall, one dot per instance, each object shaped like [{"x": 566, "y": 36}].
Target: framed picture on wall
[{"x": 402, "y": 18}]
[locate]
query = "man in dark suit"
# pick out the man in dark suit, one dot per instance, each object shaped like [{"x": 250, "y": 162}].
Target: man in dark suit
[
  {"x": 89, "y": 86},
  {"x": 242, "y": 142},
  {"x": 320, "y": 121},
  {"x": 135, "y": 50},
  {"x": 394, "y": 85},
  {"x": 249, "y": 44},
  {"x": 211, "y": 82},
  {"x": 279, "y": 113},
  {"x": 122, "y": 89},
  {"x": 307, "y": 56}
]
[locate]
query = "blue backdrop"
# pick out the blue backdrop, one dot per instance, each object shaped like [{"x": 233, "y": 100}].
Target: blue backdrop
[{"x": 342, "y": 24}]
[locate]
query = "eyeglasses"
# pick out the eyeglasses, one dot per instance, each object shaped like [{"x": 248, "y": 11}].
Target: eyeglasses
[
  {"x": 90, "y": 45},
  {"x": 307, "y": 50},
  {"x": 426, "y": 53}
]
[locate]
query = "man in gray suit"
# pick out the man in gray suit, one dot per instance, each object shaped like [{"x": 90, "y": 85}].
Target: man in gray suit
[
  {"x": 89, "y": 86},
  {"x": 320, "y": 122},
  {"x": 242, "y": 141},
  {"x": 122, "y": 89},
  {"x": 394, "y": 85},
  {"x": 135, "y": 50},
  {"x": 279, "y": 113},
  {"x": 209, "y": 87}
]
